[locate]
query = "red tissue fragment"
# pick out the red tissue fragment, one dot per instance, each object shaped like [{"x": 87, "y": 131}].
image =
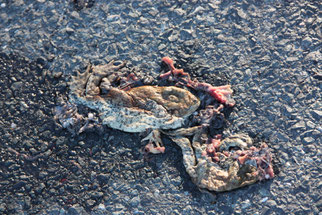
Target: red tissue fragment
[{"x": 222, "y": 94}]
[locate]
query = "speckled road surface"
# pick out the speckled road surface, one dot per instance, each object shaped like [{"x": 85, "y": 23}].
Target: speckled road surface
[{"x": 269, "y": 51}]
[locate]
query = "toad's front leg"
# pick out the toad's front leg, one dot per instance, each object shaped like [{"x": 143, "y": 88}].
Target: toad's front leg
[{"x": 155, "y": 143}]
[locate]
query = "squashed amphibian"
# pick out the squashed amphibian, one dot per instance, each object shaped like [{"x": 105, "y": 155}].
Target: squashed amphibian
[
  {"x": 213, "y": 164},
  {"x": 135, "y": 110}
]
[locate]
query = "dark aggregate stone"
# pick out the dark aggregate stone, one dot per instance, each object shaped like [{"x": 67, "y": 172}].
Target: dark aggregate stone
[
  {"x": 76, "y": 210},
  {"x": 135, "y": 201},
  {"x": 18, "y": 185},
  {"x": 90, "y": 203},
  {"x": 103, "y": 178}
]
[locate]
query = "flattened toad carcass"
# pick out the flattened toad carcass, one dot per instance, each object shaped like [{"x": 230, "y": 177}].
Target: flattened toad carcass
[
  {"x": 135, "y": 110},
  {"x": 213, "y": 164}
]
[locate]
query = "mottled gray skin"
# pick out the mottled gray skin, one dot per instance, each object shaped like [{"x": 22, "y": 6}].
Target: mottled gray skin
[{"x": 135, "y": 110}]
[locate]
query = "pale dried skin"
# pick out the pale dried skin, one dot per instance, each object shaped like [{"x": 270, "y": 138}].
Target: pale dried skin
[
  {"x": 229, "y": 173},
  {"x": 207, "y": 174}
]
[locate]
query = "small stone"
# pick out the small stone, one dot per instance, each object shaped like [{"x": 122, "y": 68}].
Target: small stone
[
  {"x": 42, "y": 174},
  {"x": 133, "y": 192},
  {"x": 90, "y": 202},
  {"x": 75, "y": 15},
  {"x": 60, "y": 141},
  {"x": 298, "y": 125},
  {"x": 119, "y": 207},
  {"x": 161, "y": 46},
  {"x": 135, "y": 201},
  {"x": 40, "y": 187},
  {"x": 52, "y": 191},
  {"x": 18, "y": 185},
  {"x": 176, "y": 181},
  {"x": 319, "y": 129},
  {"x": 198, "y": 9},
  {"x": 179, "y": 11},
  {"x": 143, "y": 21},
  {"x": 2, "y": 207},
  {"x": 185, "y": 34},
  {"x": 13, "y": 167},
  {"x": 308, "y": 160},
  {"x": 263, "y": 200},
  {"x": 9, "y": 163},
  {"x": 317, "y": 114},
  {"x": 308, "y": 139},
  {"x": 97, "y": 195},
  {"x": 292, "y": 59},
  {"x": 271, "y": 203},
  {"x": 173, "y": 37},
  {"x": 13, "y": 125},
  {"x": 101, "y": 207},
  {"x": 81, "y": 143},
  {"x": 103, "y": 178},
  {"x": 17, "y": 85},
  {"x": 61, "y": 190},
  {"x": 156, "y": 194},
  {"x": 76, "y": 209},
  {"x": 241, "y": 14},
  {"x": 307, "y": 41},
  {"x": 57, "y": 74},
  {"x": 245, "y": 204},
  {"x": 69, "y": 30},
  {"x": 264, "y": 192},
  {"x": 72, "y": 153},
  {"x": 93, "y": 162}
]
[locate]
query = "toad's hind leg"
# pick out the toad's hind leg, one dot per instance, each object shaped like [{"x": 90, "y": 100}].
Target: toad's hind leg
[{"x": 179, "y": 136}]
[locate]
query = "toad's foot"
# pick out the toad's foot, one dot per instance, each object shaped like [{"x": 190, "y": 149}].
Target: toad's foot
[
  {"x": 68, "y": 117},
  {"x": 98, "y": 73},
  {"x": 155, "y": 142},
  {"x": 93, "y": 80}
]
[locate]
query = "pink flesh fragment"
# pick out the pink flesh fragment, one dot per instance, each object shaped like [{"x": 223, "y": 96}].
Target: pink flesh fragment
[
  {"x": 261, "y": 155},
  {"x": 150, "y": 148},
  {"x": 222, "y": 94}
]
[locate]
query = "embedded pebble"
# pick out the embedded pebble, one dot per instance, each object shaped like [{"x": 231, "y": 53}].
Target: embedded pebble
[
  {"x": 263, "y": 200},
  {"x": 17, "y": 85},
  {"x": 271, "y": 203},
  {"x": 245, "y": 204},
  {"x": 135, "y": 201}
]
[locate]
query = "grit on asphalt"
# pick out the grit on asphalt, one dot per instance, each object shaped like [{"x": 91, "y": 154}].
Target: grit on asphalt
[{"x": 269, "y": 51}]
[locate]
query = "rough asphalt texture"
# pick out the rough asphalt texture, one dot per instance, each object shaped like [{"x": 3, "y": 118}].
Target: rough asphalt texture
[{"x": 269, "y": 51}]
